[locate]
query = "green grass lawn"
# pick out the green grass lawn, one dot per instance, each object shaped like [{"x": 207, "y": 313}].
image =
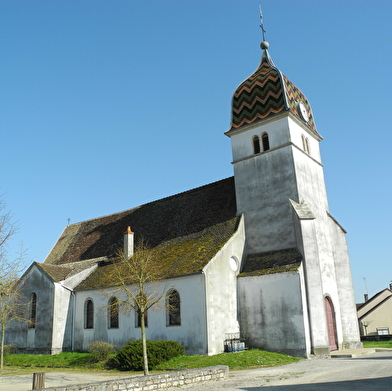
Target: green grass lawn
[
  {"x": 377, "y": 344},
  {"x": 240, "y": 360},
  {"x": 82, "y": 362}
]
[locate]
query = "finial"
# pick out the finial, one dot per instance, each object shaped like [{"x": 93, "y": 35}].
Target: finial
[
  {"x": 262, "y": 27},
  {"x": 128, "y": 231}
]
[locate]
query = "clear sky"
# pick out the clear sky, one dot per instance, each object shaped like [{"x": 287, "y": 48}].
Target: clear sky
[{"x": 107, "y": 105}]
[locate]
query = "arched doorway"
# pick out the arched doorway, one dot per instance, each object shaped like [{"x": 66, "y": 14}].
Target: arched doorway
[{"x": 331, "y": 323}]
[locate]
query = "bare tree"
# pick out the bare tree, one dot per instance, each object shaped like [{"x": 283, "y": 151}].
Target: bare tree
[
  {"x": 136, "y": 278},
  {"x": 10, "y": 307}
]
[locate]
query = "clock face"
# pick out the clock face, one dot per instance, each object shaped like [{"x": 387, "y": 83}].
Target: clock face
[{"x": 303, "y": 112}]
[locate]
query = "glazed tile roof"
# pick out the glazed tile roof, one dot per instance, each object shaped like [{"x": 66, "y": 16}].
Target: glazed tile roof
[
  {"x": 267, "y": 92},
  {"x": 187, "y": 228},
  {"x": 272, "y": 262}
]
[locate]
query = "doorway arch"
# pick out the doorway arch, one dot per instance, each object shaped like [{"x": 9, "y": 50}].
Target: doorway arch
[{"x": 331, "y": 323}]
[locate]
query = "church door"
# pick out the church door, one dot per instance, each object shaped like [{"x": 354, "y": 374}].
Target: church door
[{"x": 331, "y": 324}]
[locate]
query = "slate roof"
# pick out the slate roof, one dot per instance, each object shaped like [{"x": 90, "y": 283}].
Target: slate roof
[
  {"x": 272, "y": 262},
  {"x": 187, "y": 228},
  {"x": 61, "y": 272}
]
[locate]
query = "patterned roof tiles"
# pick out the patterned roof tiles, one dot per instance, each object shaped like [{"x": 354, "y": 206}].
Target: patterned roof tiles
[{"x": 267, "y": 92}]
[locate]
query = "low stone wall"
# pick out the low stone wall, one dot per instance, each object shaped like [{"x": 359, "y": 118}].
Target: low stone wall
[{"x": 151, "y": 382}]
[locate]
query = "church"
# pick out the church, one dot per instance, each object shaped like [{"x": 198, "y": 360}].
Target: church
[{"x": 254, "y": 261}]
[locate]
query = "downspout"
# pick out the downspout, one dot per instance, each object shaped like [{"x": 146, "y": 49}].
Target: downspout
[
  {"x": 205, "y": 311},
  {"x": 73, "y": 320}
]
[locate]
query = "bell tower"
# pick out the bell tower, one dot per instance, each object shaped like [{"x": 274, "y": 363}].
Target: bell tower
[
  {"x": 276, "y": 156},
  {"x": 280, "y": 190}
]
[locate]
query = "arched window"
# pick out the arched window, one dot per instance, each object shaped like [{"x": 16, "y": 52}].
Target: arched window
[
  {"x": 33, "y": 311},
  {"x": 265, "y": 140},
  {"x": 113, "y": 312},
  {"x": 139, "y": 315},
  {"x": 305, "y": 144},
  {"x": 256, "y": 145},
  {"x": 173, "y": 308},
  {"x": 88, "y": 314}
]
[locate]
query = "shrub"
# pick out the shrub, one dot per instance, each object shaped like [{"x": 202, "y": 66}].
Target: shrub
[
  {"x": 100, "y": 350},
  {"x": 130, "y": 356},
  {"x": 9, "y": 349}
]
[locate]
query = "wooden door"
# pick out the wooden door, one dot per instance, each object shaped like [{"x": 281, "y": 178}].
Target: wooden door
[{"x": 331, "y": 323}]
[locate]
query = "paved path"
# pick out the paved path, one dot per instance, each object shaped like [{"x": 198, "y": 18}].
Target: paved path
[{"x": 371, "y": 371}]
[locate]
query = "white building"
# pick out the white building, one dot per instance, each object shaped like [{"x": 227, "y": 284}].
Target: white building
[{"x": 258, "y": 254}]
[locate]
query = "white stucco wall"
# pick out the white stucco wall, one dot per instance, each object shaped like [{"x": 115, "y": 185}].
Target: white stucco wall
[
  {"x": 191, "y": 332},
  {"x": 264, "y": 182},
  {"x": 63, "y": 315},
  {"x": 221, "y": 290},
  {"x": 38, "y": 339},
  {"x": 272, "y": 313}
]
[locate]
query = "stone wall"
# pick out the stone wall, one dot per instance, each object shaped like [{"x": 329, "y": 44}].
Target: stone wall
[{"x": 151, "y": 382}]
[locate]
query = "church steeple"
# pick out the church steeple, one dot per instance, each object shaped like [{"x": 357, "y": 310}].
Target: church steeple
[{"x": 268, "y": 92}]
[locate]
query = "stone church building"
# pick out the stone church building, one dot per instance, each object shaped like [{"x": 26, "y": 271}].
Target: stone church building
[{"x": 256, "y": 258}]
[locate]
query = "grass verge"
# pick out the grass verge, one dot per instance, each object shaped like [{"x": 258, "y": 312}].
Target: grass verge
[
  {"x": 240, "y": 360},
  {"x": 377, "y": 344},
  {"x": 82, "y": 362}
]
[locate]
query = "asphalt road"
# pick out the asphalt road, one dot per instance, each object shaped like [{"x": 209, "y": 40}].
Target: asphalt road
[{"x": 372, "y": 372}]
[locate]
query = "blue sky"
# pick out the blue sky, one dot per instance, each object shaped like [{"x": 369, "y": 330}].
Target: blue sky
[{"x": 106, "y": 105}]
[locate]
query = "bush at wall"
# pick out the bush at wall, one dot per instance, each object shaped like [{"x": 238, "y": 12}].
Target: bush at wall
[
  {"x": 100, "y": 350},
  {"x": 130, "y": 356}
]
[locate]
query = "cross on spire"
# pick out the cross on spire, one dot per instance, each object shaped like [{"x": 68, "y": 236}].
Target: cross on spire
[{"x": 262, "y": 24}]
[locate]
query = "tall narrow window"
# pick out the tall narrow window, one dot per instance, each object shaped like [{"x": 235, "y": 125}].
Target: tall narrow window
[
  {"x": 113, "y": 312},
  {"x": 305, "y": 143},
  {"x": 33, "y": 311},
  {"x": 173, "y": 309},
  {"x": 265, "y": 140},
  {"x": 139, "y": 317},
  {"x": 88, "y": 314},
  {"x": 256, "y": 145}
]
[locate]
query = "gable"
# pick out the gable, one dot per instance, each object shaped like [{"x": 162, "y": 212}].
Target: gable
[{"x": 373, "y": 302}]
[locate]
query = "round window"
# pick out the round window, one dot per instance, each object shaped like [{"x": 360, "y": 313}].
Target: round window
[{"x": 233, "y": 264}]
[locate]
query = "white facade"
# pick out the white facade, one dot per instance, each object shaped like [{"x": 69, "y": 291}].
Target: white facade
[
  {"x": 282, "y": 194},
  {"x": 208, "y": 308}
]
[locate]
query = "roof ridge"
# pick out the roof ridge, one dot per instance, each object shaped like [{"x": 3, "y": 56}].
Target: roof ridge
[{"x": 151, "y": 202}]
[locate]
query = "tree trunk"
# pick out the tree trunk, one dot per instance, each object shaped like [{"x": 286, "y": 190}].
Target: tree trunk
[
  {"x": 144, "y": 343},
  {"x": 2, "y": 347}
]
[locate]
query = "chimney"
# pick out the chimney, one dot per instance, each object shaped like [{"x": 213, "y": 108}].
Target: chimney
[
  {"x": 128, "y": 243},
  {"x": 390, "y": 286},
  {"x": 366, "y": 296}
]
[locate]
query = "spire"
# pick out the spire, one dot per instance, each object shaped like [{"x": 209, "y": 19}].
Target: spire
[
  {"x": 268, "y": 92},
  {"x": 264, "y": 44}
]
